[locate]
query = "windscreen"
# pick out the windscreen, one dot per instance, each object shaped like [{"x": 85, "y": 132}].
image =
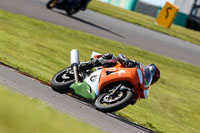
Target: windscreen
[{"x": 147, "y": 77}]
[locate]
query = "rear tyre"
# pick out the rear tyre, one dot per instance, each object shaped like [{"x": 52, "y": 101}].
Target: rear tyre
[
  {"x": 51, "y": 4},
  {"x": 73, "y": 11},
  {"x": 107, "y": 103},
  {"x": 62, "y": 80}
]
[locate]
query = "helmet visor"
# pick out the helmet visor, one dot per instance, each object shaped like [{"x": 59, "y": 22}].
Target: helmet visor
[{"x": 147, "y": 77}]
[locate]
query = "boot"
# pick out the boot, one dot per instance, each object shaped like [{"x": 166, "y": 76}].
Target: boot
[{"x": 85, "y": 66}]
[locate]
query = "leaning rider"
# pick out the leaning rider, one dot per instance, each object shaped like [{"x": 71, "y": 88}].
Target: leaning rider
[
  {"x": 84, "y": 3},
  {"x": 151, "y": 71}
]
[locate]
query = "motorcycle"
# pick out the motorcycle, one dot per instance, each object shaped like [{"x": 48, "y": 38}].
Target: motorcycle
[
  {"x": 108, "y": 88},
  {"x": 70, "y": 6}
]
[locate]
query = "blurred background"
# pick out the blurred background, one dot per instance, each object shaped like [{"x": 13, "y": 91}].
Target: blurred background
[{"x": 188, "y": 15}]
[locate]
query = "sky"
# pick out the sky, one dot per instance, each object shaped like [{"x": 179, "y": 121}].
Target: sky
[{"x": 158, "y": 2}]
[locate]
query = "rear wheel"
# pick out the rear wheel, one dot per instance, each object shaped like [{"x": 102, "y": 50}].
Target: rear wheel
[
  {"x": 72, "y": 11},
  {"x": 111, "y": 103},
  {"x": 51, "y": 4},
  {"x": 62, "y": 80}
]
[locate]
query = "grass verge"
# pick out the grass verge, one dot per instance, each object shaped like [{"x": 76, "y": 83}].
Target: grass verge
[
  {"x": 20, "y": 114},
  {"x": 144, "y": 21},
  {"x": 41, "y": 49}
]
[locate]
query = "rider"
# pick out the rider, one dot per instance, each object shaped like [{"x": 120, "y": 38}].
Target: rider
[
  {"x": 151, "y": 71},
  {"x": 84, "y": 3}
]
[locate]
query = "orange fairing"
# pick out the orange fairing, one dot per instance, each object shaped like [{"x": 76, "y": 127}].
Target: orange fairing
[
  {"x": 114, "y": 74},
  {"x": 119, "y": 73}
]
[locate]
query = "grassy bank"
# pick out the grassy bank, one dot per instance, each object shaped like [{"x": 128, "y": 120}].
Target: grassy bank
[
  {"x": 144, "y": 21},
  {"x": 20, "y": 114},
  {"x": 41, "y": 49}
]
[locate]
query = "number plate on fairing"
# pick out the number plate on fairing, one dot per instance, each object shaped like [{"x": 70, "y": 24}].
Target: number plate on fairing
[{"x": 93, "y": 81}]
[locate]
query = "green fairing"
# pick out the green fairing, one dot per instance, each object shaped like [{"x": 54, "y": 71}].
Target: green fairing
[{"x": 83, "y": 90}]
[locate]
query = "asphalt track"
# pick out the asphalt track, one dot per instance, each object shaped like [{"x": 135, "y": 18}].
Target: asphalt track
[
  {"x": 107, "y": 27},
  {"x": 107, "y": 122}
]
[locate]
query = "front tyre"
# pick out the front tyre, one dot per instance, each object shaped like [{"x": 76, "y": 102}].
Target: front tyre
[
  {"x": 62, "y": 80},
  {"x": 107, "y": 103}
]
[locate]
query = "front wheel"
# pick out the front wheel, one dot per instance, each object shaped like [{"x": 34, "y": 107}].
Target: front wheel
[
  {"x": 62, "y": 80},
  {"x": 107, "y": 103}
]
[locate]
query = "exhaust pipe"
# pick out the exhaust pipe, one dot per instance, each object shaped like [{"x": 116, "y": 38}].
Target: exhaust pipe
[{"x": 74, "y": 58}]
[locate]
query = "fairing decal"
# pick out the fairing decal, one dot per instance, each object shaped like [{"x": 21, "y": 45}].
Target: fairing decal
[
  {"x": 93, "y": 81},
  {"x": 83, "y": 90}
]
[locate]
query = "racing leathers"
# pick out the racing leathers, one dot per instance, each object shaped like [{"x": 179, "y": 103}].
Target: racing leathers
[
  {"x": 84, "y": 3},
  {"x": 109, "y": 60}
]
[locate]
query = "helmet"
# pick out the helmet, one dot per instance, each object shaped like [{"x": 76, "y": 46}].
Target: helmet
[{"x": 151, "y": 74}]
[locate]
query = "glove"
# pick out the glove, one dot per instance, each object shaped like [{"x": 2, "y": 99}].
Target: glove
[
  {"x": 128, "y": 63},
  {"x": 122, "y": 59},
  {"x": 132, "y": 63}
]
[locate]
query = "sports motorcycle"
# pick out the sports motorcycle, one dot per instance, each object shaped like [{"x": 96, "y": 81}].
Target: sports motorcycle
[
  {"x": 70, "y": 6},
  {"x": 108, "y": 88}
]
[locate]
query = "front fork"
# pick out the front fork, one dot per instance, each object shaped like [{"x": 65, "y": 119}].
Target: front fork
[{"x": 116, "y": 89}]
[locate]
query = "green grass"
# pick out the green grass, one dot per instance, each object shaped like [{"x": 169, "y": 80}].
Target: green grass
[
  {"x": 41, "y": 49},
  {"x": 144, "y": 21},
  {"x": 20, "y": 114}
]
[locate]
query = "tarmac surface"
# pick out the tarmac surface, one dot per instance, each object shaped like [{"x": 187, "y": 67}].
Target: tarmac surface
[{"x": 109, "y": 123}]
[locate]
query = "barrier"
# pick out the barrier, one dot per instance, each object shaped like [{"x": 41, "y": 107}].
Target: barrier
[
  {"x": 147, "y": 9},
  {"x": 181, "y": 19},
  {"x": 126, "y": 4}
]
